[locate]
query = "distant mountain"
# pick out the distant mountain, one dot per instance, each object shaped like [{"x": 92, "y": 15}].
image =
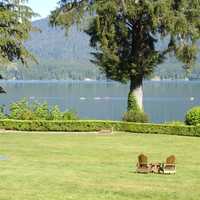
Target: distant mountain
[
  {"x": 62, "y": 57},
  {"x": 52, "y": 43},
  {"x": 59, "y": 57}
]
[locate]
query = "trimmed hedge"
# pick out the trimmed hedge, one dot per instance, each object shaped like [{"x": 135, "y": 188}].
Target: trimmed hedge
[{"x": 90, "y": 126}]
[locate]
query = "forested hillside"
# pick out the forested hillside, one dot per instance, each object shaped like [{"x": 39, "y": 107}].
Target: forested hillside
[
  {"x": 59, "y": 57},
  {"x": 68, "y": 58}
]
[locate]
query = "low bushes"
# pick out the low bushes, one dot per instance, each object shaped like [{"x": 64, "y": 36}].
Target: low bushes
[
  {"x": 135, "y": 116},
  {"x": 89, "y": 126},
  {"x": 2, "y": 113},
  {"x": 161, "y": 129},
  {"x": 46, "y": 125},
  {"x": 134, "y": 113},
  {"x": 24, "y": 110},
  {"x": 193, "y": 116}
]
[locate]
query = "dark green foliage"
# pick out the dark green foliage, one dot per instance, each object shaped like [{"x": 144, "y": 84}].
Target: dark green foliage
[
  {"x": 126, "y": 33},
  {"x": 132, "y": 103},
  {"x": 193, "y": 116},
  {"x": 23, "y": 110},
  {"x": 134, "y": 113},
  {"x": 135, "y": 116},
  {"x": 2, "y": 113},
  {"x": 70, "y": 115},
  {"x": 15, "y": 26},
  {"x": 42, "y": 111},
  {"x": 90, "y": 126},
  {"x": 56, "y": 114},
  {"x": 161, "y": 129}
]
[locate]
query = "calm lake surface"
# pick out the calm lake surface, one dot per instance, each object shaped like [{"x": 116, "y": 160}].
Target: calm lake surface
[{"x": 163, "y": 100}]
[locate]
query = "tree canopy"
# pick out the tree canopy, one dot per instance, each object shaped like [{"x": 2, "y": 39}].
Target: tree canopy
[
  {"x": 15, "y": 26},
  {"x": 127, "y": 34}
]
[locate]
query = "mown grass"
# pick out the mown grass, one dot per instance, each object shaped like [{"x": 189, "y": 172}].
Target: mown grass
[{"x": 93, "y": 167}]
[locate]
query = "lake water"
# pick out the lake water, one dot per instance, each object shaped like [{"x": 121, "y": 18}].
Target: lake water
[{"x": 163, "y": 100}]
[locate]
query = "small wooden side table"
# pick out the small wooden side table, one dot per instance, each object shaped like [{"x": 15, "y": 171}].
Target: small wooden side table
[{"x": 155, "y": 167}]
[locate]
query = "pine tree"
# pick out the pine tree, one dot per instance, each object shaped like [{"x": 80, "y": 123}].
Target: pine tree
[
  {"x": 15, "y": 26},
  {"x": 126, "y": 34}
]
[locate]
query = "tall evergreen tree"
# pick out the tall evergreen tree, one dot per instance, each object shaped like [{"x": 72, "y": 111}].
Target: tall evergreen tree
[
  {"x": 127, "y": 34},
  {"x": 15, "y": 26}
]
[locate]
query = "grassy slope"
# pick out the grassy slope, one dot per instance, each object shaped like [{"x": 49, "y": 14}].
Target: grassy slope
[{"x": 49, "y": 167}]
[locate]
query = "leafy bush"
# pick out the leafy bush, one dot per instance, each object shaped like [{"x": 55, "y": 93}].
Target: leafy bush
[
  {"x": 132, "y": 103},
  {"x": 42, "y": 111},
  {"x": 2, "y": 113},
  {"x": 23, "y": 110},
  {"x": 134, "y": 113},
  {"x": 193, "y": 116},
  {"x": 56, "y": 114},
  {"x": 135, "y": 116},
  {"x": 70, "y": 115}
]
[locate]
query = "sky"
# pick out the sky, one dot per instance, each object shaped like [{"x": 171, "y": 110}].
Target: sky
[{"x": 43, "y": 7}]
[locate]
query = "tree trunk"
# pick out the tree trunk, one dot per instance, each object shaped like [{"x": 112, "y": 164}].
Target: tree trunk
[
  {"x": 123, "y": 5},
  {"x": 136, "y": 89}
]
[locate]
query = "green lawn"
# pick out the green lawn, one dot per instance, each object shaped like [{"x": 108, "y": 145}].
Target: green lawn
[{"x": 94, "y": 167}]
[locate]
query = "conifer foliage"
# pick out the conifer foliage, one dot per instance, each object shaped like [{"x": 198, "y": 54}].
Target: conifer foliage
[
  {"x": 15, "y": 26},
  {"x": 127, "y": 34}
]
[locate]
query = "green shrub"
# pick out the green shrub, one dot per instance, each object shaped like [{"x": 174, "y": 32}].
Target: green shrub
[
  {"x": 134, "y": 113},
  {"x": 23, "y": 110},
  {"x": 132, "y": 103},
  {"x": 2, "y": 113},
  {"x": 56, "y": 114},
  {"x": 16, "y": 109},
  {"x": 135, "y": 116},
  {"x": 193, "y": 116},
  {"x": 70, "y": 115},
  {"x": 42, "y": 111}
]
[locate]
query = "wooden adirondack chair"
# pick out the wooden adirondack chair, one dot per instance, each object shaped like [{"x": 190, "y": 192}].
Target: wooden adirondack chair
[
  {"x": 142, "y": 165},
  {"x": 170, "y": 166}
]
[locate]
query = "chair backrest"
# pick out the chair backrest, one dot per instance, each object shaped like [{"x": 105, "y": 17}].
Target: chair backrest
[
  {"x": 142, "y": 159},
  {"x": 171, "y": 160}
]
